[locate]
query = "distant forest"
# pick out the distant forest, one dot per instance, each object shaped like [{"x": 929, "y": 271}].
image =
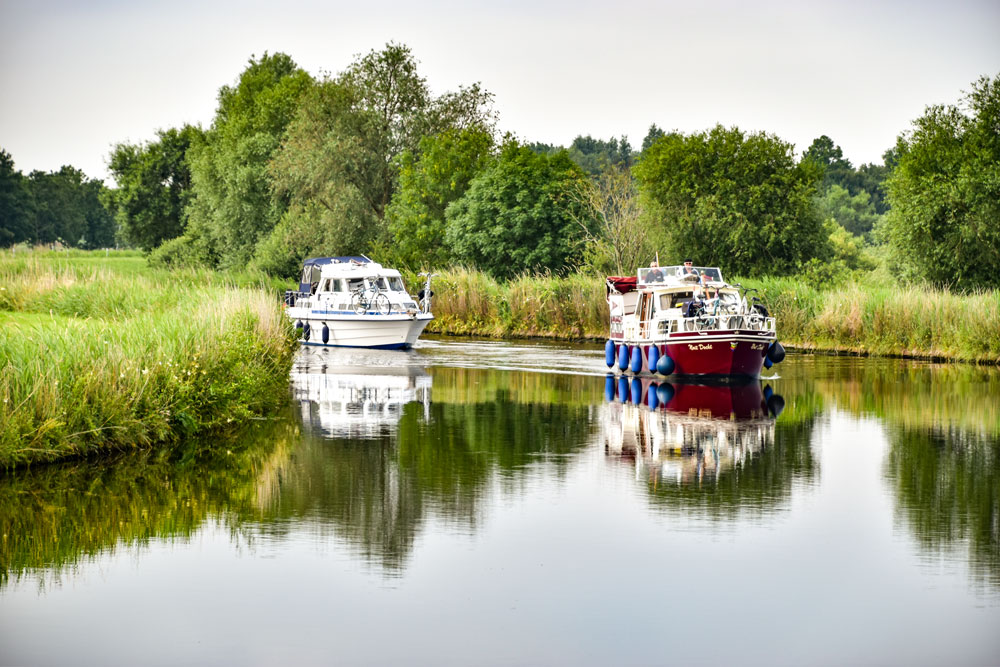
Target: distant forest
[{"x": 370, "y": 161}]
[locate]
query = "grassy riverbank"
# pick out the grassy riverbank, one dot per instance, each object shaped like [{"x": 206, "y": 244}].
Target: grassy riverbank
[
  {"x": 866, "y": 318},
  {"x": 100, "y": 353}
]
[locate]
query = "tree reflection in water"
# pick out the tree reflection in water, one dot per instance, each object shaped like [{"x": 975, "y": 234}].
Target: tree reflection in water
[
  {"x": 366, "y": 456},
  {"x": 947, "y": 485}
]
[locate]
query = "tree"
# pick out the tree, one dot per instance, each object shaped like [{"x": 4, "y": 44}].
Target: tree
[
  {"x": 944, "y": 221},
  {"x": 613, "y": 224},
  {"x": 866, "y": 180},
  {"x": 339, "y": 166},
  {"x": 234, "y": 205},
  {"x": 856, "y": 214},
  {"x": 429, "y": 180},
  {"x": 652, "y": 135},
  {"x": 154, "y": 186},
  {"x": 66, "y": 206},
  {"x": 519, "y": 215},
  {"x": 15, "y": 203},
  {"x": 740, "y": 201}
]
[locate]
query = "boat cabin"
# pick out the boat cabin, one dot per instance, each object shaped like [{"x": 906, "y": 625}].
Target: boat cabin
[{"x": 659, "y": 301}]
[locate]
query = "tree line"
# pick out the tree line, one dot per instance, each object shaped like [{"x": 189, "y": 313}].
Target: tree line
[
  {"x": 56, "y": 207},
  {"x": 370, "y": 161}
]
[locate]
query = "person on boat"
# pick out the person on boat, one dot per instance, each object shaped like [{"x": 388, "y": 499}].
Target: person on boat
[
  {"x": 654, "y": 275},
  {"x": 689, "y": 273}
]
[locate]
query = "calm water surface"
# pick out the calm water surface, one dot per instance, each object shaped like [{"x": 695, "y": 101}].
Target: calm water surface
[{"x": 507, "y": 503}]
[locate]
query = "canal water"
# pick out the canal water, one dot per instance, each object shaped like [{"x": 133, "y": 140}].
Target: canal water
[{"x": 508, "y": 503}]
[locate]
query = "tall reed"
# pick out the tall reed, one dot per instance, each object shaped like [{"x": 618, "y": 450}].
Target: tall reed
[{"x": 92, "y": 359}]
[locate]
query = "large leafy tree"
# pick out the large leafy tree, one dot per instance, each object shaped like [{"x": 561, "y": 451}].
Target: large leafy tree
[
  {"x": 15, "y": 203},
  {"x": 520, "y": 214},
  {"x": 944, "y": 224},
  {"x": 234, "y": 205},
  {"x": 339, "y": 166},
  {"x": 734, "y": 199},
  {"x": 429, "y": 181},
  {"x": 154, "y": 186}
]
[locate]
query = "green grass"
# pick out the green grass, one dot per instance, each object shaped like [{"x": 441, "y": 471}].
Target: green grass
[{"x": 98, "y": 354}]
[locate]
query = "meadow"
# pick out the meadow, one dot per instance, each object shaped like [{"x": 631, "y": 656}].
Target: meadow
[{"x": 100, "y": 353}]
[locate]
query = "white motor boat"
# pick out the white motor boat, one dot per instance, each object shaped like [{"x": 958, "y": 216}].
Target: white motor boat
[{"x": 355, "y": 302}]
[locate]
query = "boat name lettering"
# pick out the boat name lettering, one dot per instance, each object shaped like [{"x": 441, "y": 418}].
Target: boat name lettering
[
  {"x": 700, "y": 346},
  {"x": 757, "y": 346}
]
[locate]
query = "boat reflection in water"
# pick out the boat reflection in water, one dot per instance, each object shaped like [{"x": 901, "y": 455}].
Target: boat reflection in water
[
  {"x": 353, "y": 397},
  {"x": 688, "y": 433}
]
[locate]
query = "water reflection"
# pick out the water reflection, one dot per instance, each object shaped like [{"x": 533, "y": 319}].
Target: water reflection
[
  {"x": 947, "y": 485},
  {"x": 52, "y": 517},
  {"x": 711, "y": 449},
  {"x": 379, "y": 457},
  {"x": 378, "y": 447}
]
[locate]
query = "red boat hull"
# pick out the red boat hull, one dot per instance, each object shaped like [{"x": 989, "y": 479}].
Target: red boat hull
[{"x": 719, "y": 353}]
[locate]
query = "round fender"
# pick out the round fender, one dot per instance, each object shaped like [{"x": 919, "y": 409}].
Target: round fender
[
  {"x": 776, "y": 353},
  {"x": 665, "y": 365},
  {"x": 665, "y": 393}
]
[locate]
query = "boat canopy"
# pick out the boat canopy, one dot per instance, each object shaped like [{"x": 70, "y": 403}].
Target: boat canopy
[
  {"x": 311, "y": 268},
  {"x": 621, "y": 284}
]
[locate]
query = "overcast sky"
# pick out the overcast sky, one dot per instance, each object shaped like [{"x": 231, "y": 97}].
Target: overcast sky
[{"x": 77, "y": 77}]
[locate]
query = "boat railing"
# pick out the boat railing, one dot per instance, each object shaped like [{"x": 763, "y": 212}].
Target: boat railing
[{"x": 721, "y": 322}]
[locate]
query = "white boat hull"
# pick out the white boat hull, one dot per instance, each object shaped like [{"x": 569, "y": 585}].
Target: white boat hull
[{"x": 388, "y": 332}]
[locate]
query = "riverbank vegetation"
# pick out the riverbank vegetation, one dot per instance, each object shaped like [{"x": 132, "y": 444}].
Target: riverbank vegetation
[
  {"x": 891, "y": 258},
  {"x": 103, "y": 356},
  {"x": 861, "y": 316}
]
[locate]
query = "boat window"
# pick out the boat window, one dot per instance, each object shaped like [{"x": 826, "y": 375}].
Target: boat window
[
  {"x": 666, "y": 302},
  {"x": 338, "y": 285},
  {"x": 355, "y": 284},
  {"x": 379, "y": 282},
  {"x": 396, "y": 284},
  {"x": 327, "y": 285}
]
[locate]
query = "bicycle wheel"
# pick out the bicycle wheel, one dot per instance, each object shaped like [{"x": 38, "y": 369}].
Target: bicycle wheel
[
  {"x": 381, "y": 304},
  {"x": 359, "y": 304}
]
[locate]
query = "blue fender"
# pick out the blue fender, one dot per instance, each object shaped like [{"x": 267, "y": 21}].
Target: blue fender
[
  {"x": 652, "y": 400},
  {"x": 636, "y": 359},
  {"x": 609, "y": 387},
  {"x": 609, "y": 353},
  {"x": 623, "y": 389},
  {"x": 665, "y": 365},
  {"x": 665, "y": 393},
  {"x": 636, "y": 391},
  {"x": 652, "y": 358},
  {"x": 623, "y": 356}
]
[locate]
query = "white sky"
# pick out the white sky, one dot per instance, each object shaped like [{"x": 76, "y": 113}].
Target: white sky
[{"x": 77, "y": 77}]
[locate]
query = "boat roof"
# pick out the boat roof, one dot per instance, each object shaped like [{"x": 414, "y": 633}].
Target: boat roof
[
  {"x": 352, "y": 259},
  {"x": 662, "y": 277}
]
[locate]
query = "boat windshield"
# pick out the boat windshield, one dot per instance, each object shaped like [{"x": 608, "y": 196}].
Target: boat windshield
[
  {"x": 653, "y": 275},
  {"x": 396, "y": 284}
]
